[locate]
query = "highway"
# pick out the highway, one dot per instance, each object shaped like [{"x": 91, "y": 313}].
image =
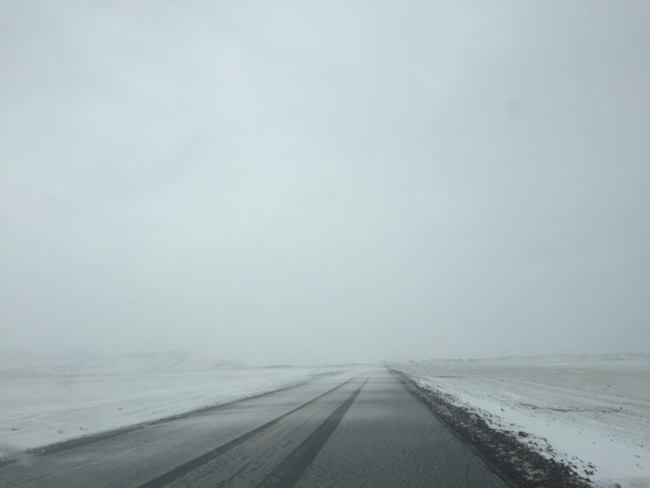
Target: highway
[{"x": 358, "y": 429}]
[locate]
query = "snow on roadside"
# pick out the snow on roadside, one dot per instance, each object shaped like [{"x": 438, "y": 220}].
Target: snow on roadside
[
  {"x": 594, "y": 414},
  {"x": 41, "y": 409}
]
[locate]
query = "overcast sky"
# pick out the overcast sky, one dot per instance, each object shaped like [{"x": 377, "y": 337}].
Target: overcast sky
[{"x": 284, "y": 181}]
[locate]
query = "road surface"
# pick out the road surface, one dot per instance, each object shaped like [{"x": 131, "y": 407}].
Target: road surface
[{"x": 360, "y": 429}]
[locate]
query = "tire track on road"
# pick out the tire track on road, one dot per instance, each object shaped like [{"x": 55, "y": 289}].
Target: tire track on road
[
  {"x": 289, "y": 471},
  {"x": 102, "y": 436},
  {"x": 183, "y": 469}
]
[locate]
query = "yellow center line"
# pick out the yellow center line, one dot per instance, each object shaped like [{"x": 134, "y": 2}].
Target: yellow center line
[{"x": 266, "y": 436}]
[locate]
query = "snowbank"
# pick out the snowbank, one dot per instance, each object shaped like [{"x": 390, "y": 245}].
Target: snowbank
[
  {"x": 594, "y": 414},
  {"x": 40, "y": 405}
]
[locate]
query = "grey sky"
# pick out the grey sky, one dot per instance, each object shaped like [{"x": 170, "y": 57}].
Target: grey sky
[{"x": 334, "y": 181}]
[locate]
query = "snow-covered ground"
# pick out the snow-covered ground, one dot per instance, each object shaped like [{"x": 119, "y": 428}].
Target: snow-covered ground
[
  {"x": 47, "y": 400},
  {"x": 587, "y": 411}
]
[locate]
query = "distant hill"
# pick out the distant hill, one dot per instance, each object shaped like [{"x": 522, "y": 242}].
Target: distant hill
[{"x": 83, "y": 362}]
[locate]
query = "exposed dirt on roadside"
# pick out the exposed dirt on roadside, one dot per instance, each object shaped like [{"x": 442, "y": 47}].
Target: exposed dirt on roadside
[{"x": 513, "y": 460}]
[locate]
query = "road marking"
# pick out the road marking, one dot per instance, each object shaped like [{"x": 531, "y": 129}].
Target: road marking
[
  {"x": 267, "y": 436},
  {"x": 287, "y": 473},
  {"x": 180, "y": 471}
]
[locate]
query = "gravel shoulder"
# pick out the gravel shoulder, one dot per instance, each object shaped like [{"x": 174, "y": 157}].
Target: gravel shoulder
[{"x": 516, "y": 462}]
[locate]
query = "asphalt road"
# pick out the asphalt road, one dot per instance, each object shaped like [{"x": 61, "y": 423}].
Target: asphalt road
[{"x": 360, "y": 429}]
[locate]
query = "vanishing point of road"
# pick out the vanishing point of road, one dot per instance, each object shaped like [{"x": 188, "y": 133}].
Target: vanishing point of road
[{"x": 358, "y": 429}]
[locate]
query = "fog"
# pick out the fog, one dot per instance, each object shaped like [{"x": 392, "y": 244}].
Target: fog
[{"x": 279, "y": 182}]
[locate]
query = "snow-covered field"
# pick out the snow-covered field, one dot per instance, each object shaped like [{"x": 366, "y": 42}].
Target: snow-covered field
[
  {"x": 591, "y": 412},
  {"x": 51, "y": 400}
]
